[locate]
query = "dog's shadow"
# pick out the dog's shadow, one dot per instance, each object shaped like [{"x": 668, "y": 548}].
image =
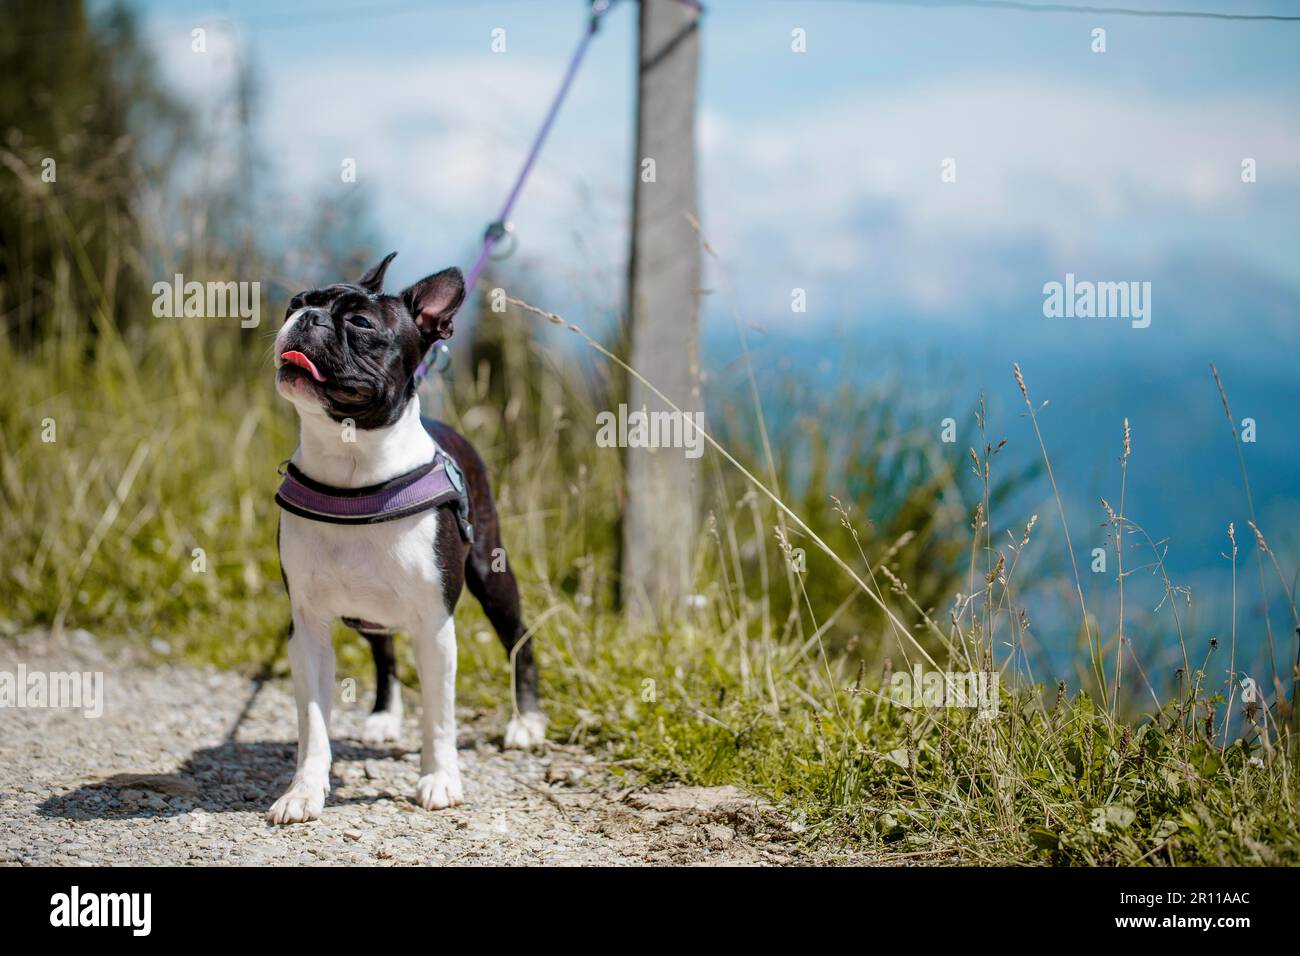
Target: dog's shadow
[{"x": 230, "y": 777}]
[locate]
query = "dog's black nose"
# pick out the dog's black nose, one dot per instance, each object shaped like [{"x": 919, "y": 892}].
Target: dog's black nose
[{"x": 316, "y": 317}]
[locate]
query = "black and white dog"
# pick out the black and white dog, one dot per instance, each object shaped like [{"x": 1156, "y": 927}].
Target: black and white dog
[{"x": 346, "y": 357}]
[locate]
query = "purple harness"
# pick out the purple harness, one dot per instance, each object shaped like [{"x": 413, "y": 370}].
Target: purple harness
[{"x": 438, "y": 483}]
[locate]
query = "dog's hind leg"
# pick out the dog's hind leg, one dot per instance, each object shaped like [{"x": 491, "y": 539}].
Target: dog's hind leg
[
  {"x": 384, "y": 725},
  {"x": 490, "y": 580}
]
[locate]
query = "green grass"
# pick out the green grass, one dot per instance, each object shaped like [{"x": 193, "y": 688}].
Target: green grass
[{"x": 167, "y": 437}]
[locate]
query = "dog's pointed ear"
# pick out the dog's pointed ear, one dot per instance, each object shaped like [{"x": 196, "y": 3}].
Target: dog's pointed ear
[
  {"x": 433, "y": 302},
  {"x": 373, "y": 281}
]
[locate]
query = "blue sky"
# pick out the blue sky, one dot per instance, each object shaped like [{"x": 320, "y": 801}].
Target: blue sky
[{"x": 821, "y": 171}]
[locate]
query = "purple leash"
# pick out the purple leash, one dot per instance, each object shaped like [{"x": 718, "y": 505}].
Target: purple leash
[{"x": 497, "y": 228}]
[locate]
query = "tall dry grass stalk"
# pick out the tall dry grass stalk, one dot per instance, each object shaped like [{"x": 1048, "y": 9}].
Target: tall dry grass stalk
[
  {"x": 1119, "y": 564},
  {"x": 1093, "y": 636},
  {"x": 1250, "y": 508}
]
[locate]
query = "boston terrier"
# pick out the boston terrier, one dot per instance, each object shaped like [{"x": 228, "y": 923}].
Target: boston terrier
[{"x": 385, "y": 516}]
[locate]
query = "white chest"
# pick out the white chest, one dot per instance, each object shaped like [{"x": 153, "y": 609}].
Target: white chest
[{"x": 387, "y": 573}]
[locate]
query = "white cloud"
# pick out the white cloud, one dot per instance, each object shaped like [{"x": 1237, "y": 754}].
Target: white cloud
[
  {"x": 437, "y": 143},
  {"x": 843, "y": 198},
  {"x": 852, "y": 189}
]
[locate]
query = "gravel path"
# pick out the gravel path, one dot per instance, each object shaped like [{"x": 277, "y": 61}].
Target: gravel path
[{"x": 158, "y": 779}]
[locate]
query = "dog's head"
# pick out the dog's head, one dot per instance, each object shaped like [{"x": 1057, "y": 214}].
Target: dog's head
[{"x": 351, "y": 351}]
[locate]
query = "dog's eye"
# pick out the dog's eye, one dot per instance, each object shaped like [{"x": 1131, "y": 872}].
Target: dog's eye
[{"x": 360, "y": 321}]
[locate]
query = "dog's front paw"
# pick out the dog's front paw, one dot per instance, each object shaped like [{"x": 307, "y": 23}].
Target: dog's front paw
[
  {"x": 303, "y": 801},
  {"x": 439, "y": 790},
  {"x": 381, "y": 728},
  {"x": 526, "y": 731}
]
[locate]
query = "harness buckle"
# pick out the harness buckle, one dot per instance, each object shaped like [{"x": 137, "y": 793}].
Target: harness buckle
[{"x": 462, "y": 498}]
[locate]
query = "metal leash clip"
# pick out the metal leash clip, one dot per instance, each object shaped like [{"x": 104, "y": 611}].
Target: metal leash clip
[
  {"x": 441, "y": 357},
  {"x": 598, "y": 9},
  {"x": 495, "y": 232}
]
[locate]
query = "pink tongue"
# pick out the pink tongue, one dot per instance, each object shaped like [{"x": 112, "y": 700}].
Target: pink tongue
[{"x": 302, "y": 361}]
